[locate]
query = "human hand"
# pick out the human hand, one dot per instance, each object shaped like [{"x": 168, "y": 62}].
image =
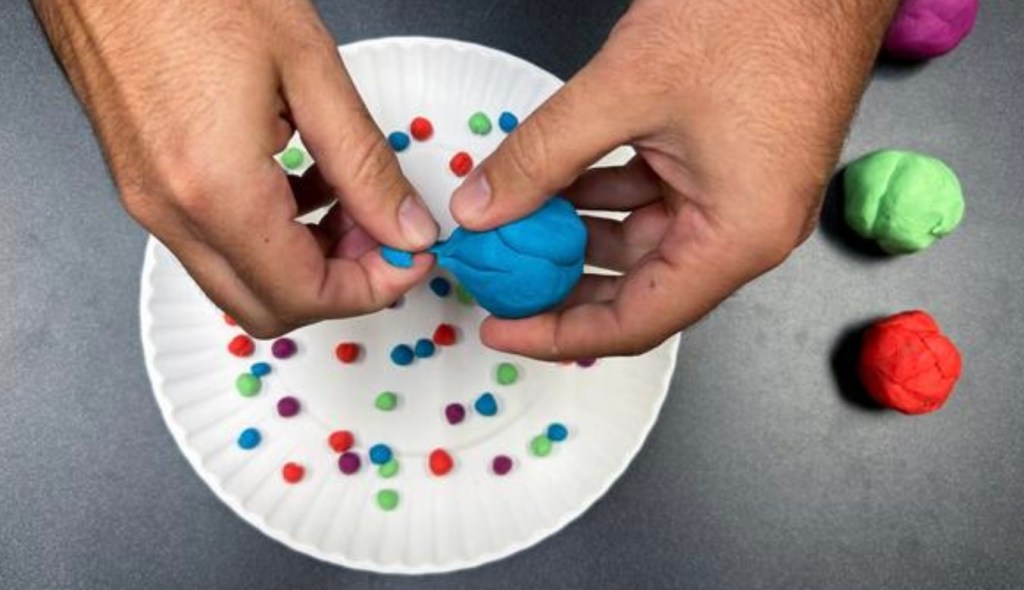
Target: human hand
[
  {"x": 190, "y": 102},
  {"x": 737, "y": 110}
]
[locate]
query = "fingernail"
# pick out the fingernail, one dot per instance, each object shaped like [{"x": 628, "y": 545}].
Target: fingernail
[
  {"x": 418, "y": 226},
  {"x": 472, "y": 198}
]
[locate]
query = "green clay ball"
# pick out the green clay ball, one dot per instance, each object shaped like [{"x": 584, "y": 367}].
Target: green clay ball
[
  {"x": 387, "y": 500},
  {"x": 903, "y": 200},
  {"x": 507, "y": 373},
  {"x": 480, "y": 124},
  {"x": 292, "y": 158},
  {"x": 248, "y": 385},
  {"x": 463, "y": 295},
  {"x": 540, "y": 446},
  {"x": 386, "y": 401},
  {"x": 389, "y": 469}
]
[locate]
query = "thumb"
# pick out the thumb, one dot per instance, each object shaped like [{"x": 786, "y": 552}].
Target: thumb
[
  {"x": 352, "y": 154},
  {"x": 568, "y": 133}
]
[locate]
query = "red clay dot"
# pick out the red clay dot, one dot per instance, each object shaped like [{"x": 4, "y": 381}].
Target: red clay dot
[
  {"x": 421, "y": 129},
  {"x": 229, "y": 320},
  {"x": 440, "y": 462},
  {"x": 241, "y": 345},
  {"x": 341, "y": 441},
  {"x": 293, "y": 472},
  {"x": 347, "y": 352},
  {"x": 461, "y": 164},
  {"x": 444, "y": 335}
]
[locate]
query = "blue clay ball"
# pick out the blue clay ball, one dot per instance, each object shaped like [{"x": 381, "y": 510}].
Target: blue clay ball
[
  {"x": 424, "y": 348},
  {"x": 402, "y": 355},
  {"x": 399, "y": 141},
  {"x": 380, "y": 454},
  {"x": 396, "y": 257},
  {"x": 440, "y": 286},
  {"x": 486, "y": 405},
  {"x": 523, "y": 268},
  {"x": 558, "y": 432},
  {"x": 249, "y": 439},
  {"x": 260, "y": 369},
  {"x": 507, "y": 122}
]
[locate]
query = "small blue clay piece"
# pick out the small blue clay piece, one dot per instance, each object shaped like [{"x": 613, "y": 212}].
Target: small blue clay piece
[
  {"x": 508, "y": 122},
  {"x": 486, "y": 405},
  {"x": 399, "y": 141},
  {"x": 440, "y": 286},
  {"x": 396, "y": 257},
  {"x": 522, "y": 268},
  {"x": 380, "y": 454},
  {"x": 557, "y": 432},
  {"x": 260, "y": 369},
  {"x": 402, "y": 355},
  {"x": 424, "y": 348},
  {"x": 249, "y": 439}
]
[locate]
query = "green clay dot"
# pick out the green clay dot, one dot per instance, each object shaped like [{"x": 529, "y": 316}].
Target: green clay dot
[
  {"x": 903, "y": 200},
  {"x": 387, "y": 500},
  {"x": 480, "y": 124},
  {"x": 386, "y": 401},
  {"x": 389, "y": 469},
  {"x": 292, "y": 158},
  {"x": 540, "y": 446},
  {"x": 507, "y": 373},
  {"x": 463, "y": 295},
  {"x": 248, "y": 385}
]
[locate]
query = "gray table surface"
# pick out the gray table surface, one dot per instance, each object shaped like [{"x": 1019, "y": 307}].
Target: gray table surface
[{"x": 762, "y": 472}]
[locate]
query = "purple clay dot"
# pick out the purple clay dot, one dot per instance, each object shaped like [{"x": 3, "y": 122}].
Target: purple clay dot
[
  {"x": 349, "y": 463},
  {"x": 287, "y": 406},
  {"x": 502, "y": 464},
  {"x": 283, "y": 348},
  {"x": 585, "y": 363},
  {"x": 454, "y": 413}
]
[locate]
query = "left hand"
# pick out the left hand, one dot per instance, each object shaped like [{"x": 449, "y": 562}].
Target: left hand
[{"x": 737, "y": 110}]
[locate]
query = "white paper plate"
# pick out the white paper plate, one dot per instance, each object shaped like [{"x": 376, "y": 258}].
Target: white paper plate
[{"x": 471, "y": 516}]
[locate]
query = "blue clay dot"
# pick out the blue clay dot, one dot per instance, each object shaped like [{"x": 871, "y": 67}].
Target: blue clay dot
[
  {"x": 396, "y": 257},
  {"x": 440, "y": 286},
  {"x": 380, "y": 454},
  {"x": 558, "y": 432},
  {"x": 486, "y": 405},
  {"x": 249, "y": 439},
  {"x": 402, "y": 355},
  {"x": 399, "y": 141},
  {"x": 260, "y": 369},
  {"x": 424, "y": 348},
  {"x": 507, "y": 122}
]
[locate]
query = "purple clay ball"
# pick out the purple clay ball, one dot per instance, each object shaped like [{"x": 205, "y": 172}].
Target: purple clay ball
[
  {"x": 454, "y": 413},
  {"x": 923, "y": 29},
  {"x": 502, "y": 464},
  {"x": 287, "y": 407},
  {"x": 586, "y": 362},
  {"x": 349, "y": 463},
  {"x": 283, "y": 348}
]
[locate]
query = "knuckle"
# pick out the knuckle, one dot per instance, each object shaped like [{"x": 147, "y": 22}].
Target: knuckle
[
  {"x": 527, "y": 153},
  {"x": 374, "y": 167}
]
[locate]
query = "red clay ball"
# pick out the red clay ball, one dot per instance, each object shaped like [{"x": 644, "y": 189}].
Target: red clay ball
[
  {"x": 292, "y": 472},
  {"x": 907, "y": 364},
  {"x": 421, "y": 129},
  {"x": 440, "y": 462},
  {"x": 229, "y": 320},
  {"x": 341, "y": 441},
  {"x": 461, "y": 164},
  {"x": 444, "y": 335},
  {"x": 241, "y": 346},
  {"x": 347, "y": 352}
]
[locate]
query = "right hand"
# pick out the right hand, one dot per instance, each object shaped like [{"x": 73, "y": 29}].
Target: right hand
[{"x": 190, "y": 102}]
